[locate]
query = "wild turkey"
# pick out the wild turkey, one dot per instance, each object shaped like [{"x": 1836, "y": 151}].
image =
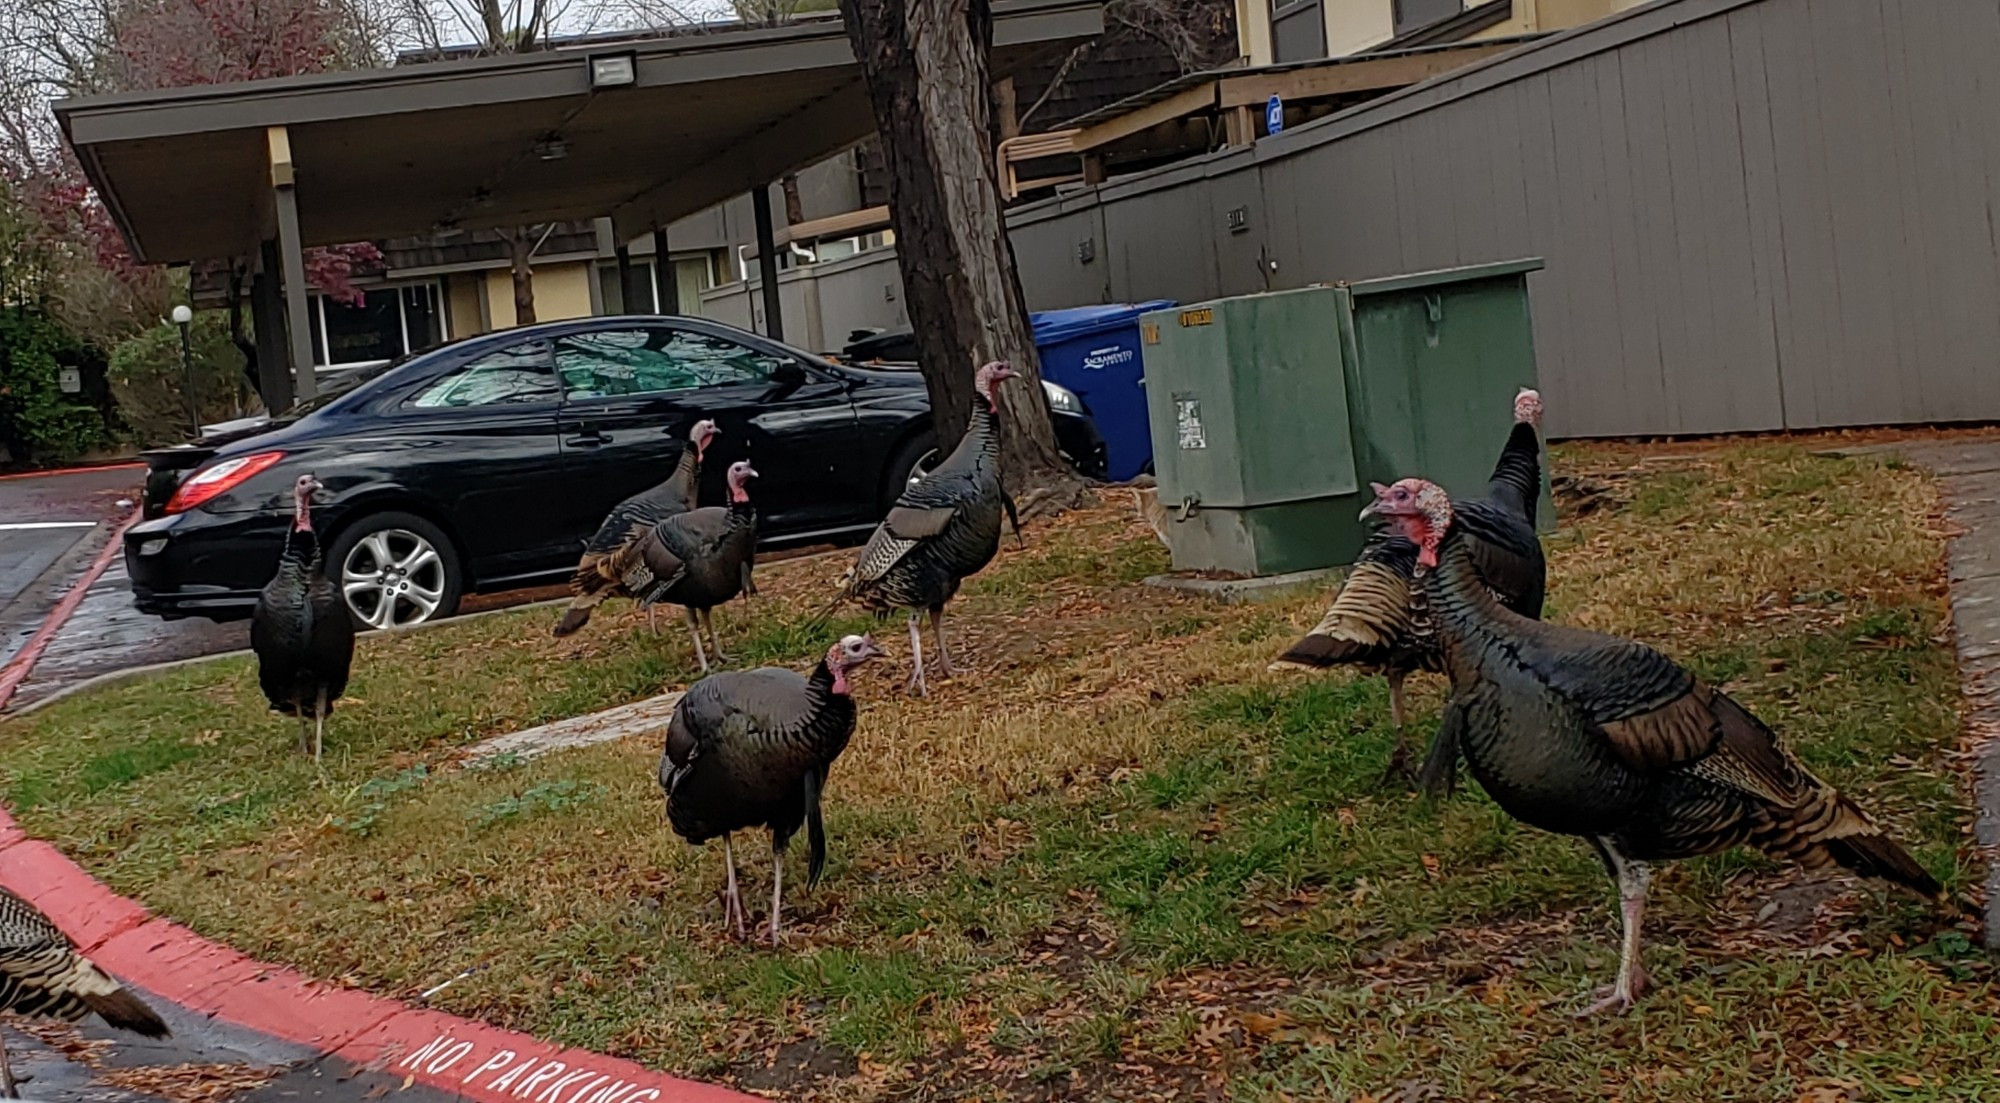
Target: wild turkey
[
  {"x": 1377, "y": 621},
  {"x": 301, "y": 629},
  {"x": 42, "y": 975},
  {"x": 693, "y": 559},
  {"x": 678, "y": 494},
  {"x": 1592, "y": 735},
  {"x": 751, "y": 749},
  {"x": 941, "y": 530}
]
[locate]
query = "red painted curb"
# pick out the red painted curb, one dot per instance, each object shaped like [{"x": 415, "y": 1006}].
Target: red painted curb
[
  {"x": 119, "y": 466},
  {"x": 468, "y": 1059},
  {"x": 16, "y": 671}
]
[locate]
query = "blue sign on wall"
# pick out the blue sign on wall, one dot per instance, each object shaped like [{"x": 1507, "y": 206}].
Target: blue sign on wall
[{"x": 1274, "y": 115}]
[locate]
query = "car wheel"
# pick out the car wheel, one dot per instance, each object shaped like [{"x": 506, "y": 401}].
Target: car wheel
[
  {"x": 917, "y": 457},
  {"x": 395, "y": 570}
]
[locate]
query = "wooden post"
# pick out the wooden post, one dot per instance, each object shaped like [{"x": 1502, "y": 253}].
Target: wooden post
[
  {"x": 267, "y": 317},
  {"x": 292, "y": 259},
  {"x": 767, "y": 262},
  {"x": 664, "y": 275}
]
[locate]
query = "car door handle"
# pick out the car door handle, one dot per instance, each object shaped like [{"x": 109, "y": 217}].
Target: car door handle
[{"x": 589, "y": 438}]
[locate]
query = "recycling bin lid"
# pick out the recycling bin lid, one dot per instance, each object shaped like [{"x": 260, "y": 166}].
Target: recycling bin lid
[{"x": 1051, "y": 326}]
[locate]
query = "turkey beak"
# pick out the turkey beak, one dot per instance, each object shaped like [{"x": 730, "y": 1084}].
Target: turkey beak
[{"x": 1372, "y": 509}]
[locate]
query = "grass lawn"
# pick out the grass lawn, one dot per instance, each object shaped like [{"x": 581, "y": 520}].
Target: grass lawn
[{"x": 1121, "y": 860}]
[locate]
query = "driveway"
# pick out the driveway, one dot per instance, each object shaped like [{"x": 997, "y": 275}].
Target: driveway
[{"x": 50, "y": 528}]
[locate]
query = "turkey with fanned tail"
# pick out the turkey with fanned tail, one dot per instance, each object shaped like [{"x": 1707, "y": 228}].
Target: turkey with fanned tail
[
  {"x": 678, "y": 493},
  {"x": 693, "y": 559},
  {"x": 1378, "y": 622},
  {"x": 42, "y": 976},
  {"x": 1607, "y": 739}
]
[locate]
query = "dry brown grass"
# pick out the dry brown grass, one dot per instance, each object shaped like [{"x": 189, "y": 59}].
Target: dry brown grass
[{"x": 1087, "y": 869}]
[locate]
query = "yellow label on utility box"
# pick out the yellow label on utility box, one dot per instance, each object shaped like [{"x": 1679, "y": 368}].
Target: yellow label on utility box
[
  {"x": 1149, "y": 333},
  {"x": 1203, "y": 317}
]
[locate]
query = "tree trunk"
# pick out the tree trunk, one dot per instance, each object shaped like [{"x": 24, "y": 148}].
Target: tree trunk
[
  {"x": 237, "y": 335},
  {"x": 520, "y": 254},
  {"x": 924, "y": 62},
  {"x": 795, "y": 205}
]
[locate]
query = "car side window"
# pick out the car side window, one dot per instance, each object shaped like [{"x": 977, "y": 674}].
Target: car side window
[
  {"x": 514, "y": 375},
  {"x": 654, "y": 360}
]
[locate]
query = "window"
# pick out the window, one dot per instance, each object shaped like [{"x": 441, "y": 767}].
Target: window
[
  {"x": 1411, "y": 14},
  {"x": 692, "y": 275},
  {"x": 387, "y": 323},
  {"x": 618, "y": 362},
  {"x": 513, "y": 376}
]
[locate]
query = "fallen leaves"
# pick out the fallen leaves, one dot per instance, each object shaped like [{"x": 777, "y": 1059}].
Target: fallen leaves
[{"x": 191, "y": 1083}]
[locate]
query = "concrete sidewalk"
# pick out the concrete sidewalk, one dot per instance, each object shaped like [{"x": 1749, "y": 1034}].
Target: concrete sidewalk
[{"x": 1968, "y": 473}]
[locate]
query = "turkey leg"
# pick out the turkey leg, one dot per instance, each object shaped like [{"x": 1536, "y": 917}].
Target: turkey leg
[
  {"x": 714, "y": 643},
  {"x": 1632, "y": 981},
  {"x": 694, "y": 629},
  {"x": 732, "y": 901},
  {"x": 917, "y": 659},
  {"x": 1400, "y": 768},
  {"x": 777, "y": 889},
  {"x": 7, "y": 1086},
  {"x": 305, "y": 733},
  {"x": 319, "y": 724},
  {"x": 944, "y": 656},
  {"x": 652, "y": 624}
]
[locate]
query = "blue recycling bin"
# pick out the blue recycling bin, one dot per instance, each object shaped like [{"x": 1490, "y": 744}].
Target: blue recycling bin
[{"x": 1095, "y": 351}]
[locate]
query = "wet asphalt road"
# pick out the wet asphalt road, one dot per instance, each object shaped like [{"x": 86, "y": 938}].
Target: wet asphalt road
[
  {"x": 106, "y": 633},
  {"x": 203, "y": 1059}
]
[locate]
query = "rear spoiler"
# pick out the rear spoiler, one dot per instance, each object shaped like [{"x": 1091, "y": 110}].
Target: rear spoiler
[{"x": 165, "y": 467}]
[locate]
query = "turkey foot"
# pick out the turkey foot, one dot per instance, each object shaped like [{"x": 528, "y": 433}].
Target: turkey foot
[
  {"x": 1621, "y": 997},
  {"x": 1401, "y": 771}
]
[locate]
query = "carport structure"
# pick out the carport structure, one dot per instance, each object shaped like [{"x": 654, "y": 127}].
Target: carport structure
[{"x": 641, "y": 133}]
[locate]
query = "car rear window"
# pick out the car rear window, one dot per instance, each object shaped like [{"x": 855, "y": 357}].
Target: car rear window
[{"x": 514, "y": 375}]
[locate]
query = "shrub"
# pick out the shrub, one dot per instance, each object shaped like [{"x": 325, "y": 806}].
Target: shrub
[
  {"x": 38, "y": 423},
  {"x": 149, "y": 383}
]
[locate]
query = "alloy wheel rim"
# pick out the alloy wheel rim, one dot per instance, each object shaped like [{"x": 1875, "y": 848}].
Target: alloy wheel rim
[
  {"x": 393, "y": 578},
  {"x": 924, "y": 465}
]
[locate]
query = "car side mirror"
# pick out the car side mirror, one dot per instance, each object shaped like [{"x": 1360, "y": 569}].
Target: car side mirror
[{"x": 788, "y": 373}]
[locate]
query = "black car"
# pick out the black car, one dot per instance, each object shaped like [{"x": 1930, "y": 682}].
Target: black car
[{"x": 484, "y": 464}]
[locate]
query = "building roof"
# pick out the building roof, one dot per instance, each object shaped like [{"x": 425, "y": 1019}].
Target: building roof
[{"x": 498, "y": 141}]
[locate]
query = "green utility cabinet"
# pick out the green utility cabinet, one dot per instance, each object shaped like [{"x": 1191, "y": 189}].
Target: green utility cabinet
[{"x": 1271, "y": 414}]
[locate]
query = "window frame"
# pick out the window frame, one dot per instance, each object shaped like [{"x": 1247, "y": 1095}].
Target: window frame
[{"x": 323, "y": 345}]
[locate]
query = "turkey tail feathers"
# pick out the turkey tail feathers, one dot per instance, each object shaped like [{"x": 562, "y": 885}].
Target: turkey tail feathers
[
  {"x": 577, "y": 615},
  {"x": 815, "y": 831},
  {"x": 1872, "y": 854},
  {"x": 1317, "y": 652},
  {"x": 1368, "y": 616},
  {"x": 126, "y": 1011},
  {"x": 1439, "y": 777}
]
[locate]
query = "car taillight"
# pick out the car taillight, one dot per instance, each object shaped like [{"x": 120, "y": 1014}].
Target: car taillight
[{"x": 211, "y": 481}]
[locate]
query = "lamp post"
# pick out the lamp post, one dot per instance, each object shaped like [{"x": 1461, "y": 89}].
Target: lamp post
[{"x": 182, "y": 317}]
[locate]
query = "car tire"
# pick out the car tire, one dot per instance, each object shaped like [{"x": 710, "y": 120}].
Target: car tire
[
  {"x": 395, "y": 570},
  {"x": 915, "y": 458}
]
